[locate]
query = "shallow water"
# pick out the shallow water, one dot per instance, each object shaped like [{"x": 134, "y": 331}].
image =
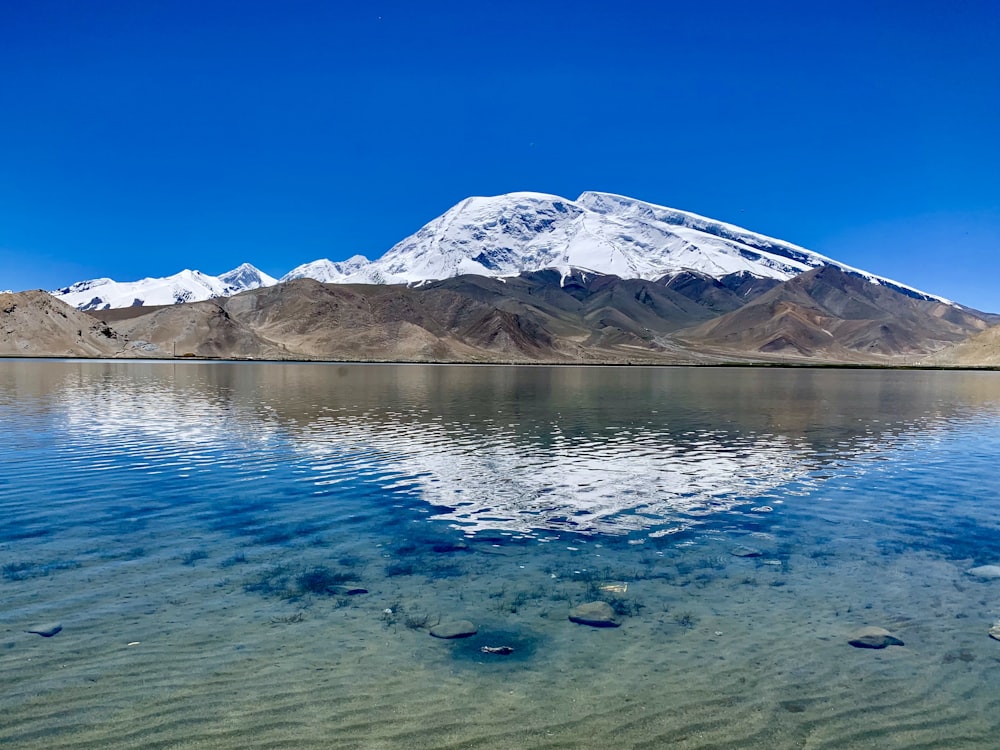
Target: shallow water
[{"x": 196, "y": 529}]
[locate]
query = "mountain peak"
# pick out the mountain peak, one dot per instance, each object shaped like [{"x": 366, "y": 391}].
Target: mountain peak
[
  {"x": 246, "y": 276},
  {"x": 505, "y": 235},
  {"x": 327, "y": 271},
  {"x": 184, "y": 286}
]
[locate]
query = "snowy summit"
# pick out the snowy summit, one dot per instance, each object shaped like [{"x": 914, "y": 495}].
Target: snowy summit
[
  {"x": 605, "y": 233},
  {"x": 506, "y": 235},
  {"x": 186, "y": 286}
]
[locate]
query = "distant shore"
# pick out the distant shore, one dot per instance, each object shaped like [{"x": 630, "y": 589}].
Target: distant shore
[{"x": 512, "y": 363}]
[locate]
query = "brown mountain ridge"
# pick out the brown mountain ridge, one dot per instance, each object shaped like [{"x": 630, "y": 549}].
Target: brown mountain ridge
[
  {"x": 825, "y": 315},
  {"x": 830, "y": 314}
]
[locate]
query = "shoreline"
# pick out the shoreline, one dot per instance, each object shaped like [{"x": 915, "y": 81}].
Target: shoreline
[{"x": 513, "y": 363}]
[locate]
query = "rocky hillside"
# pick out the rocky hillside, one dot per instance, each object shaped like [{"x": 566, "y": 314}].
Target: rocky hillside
[
  {"x": 36, "y": 324},
  {"x": 825, "y": 315},
  {"x": 835, "y": 315},
  {"x": 981, "y": 350}
]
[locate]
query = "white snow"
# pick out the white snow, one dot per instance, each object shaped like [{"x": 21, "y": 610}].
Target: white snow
[
  {"x": 604, "y": 233},
  {"x": 186, "y": 286},
  {"x": 245, "y": 277},
  {"x": 327, "y": 271}
]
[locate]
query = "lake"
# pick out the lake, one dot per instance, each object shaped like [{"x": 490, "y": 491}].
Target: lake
[{"x": 250, "y": 555}]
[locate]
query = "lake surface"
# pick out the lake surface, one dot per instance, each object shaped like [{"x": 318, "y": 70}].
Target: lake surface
[{"x": 252, "y": 556}]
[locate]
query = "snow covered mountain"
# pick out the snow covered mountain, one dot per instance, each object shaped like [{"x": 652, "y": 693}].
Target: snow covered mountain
[
  {"x": 245, "y": 277},
  {"x": 506, "y": 235},
  {"x": 186, "y": 286},
  {"x": 611, "y": 234},
  {"x": 329, "y": 272}
]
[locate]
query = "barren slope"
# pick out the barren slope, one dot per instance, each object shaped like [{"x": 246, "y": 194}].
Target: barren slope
[
  {"x": 196, "y": 329},
  {"x": 825, "y": 315},
  {"x": 35, "y": 323},
  {"x": 829, "y": 314},
  {"x": 981, "y": 350}
]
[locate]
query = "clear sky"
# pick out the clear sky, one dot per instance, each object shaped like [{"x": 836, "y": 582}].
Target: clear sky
[{"x": 140, "y": 138}]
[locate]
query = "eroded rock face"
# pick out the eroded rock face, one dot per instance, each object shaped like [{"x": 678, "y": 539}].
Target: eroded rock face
[
  {"x": 873, "y": 637},
  {"x": 594, "y": 614}
]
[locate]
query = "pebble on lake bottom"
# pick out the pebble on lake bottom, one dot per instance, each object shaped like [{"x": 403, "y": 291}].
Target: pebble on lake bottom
[
  {"x": 985, "y": 572},
  {"x": 46, "y": 630},
  {"x": 456, "y": 629},
  {"x": 873, "y": 637},
  {"x": 594, "y": 614}
]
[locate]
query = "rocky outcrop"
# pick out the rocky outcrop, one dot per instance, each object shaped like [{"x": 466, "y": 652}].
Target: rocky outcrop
[{"x": 36, "y": 324}]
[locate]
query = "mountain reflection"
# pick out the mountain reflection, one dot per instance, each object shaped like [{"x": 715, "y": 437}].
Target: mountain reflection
[{"x": 523, "y": 449}]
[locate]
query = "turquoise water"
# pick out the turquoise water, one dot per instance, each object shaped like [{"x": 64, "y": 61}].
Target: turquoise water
[{"x": 253, "y": 555}]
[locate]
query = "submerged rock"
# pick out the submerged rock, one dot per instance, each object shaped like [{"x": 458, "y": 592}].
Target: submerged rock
[
  {"x": 995, "y": 631},
  {"x": 744, "y": 551},
  {"x": 345, "y": 590},
  {"x": 986, "y": 572},
  {"x": 456, "y": 629},
  {"x": 46, "y": 630},
  {"x": 447, "y": 547},
  {"x": 873, "y": 637},
  {"x": 594, "y": 614}
]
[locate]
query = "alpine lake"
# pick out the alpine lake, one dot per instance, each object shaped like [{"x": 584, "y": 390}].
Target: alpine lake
[{"x": 255, "y": 555}]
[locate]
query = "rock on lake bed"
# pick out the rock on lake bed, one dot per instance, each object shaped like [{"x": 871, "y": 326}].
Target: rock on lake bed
[
  {"x": 455, "y": 629},
  {"x": 594, "y": 614},
  {"x": 873, "y": 637},
  {"x": 986, "y": 572},
  {"x": 46, "y": 630}
]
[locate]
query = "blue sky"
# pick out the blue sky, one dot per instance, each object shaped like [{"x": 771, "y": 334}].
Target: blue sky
[{"x": 140, "y": 138}]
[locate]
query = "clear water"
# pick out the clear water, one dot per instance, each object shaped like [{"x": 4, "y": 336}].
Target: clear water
[{"x": 196, "y": 530}]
